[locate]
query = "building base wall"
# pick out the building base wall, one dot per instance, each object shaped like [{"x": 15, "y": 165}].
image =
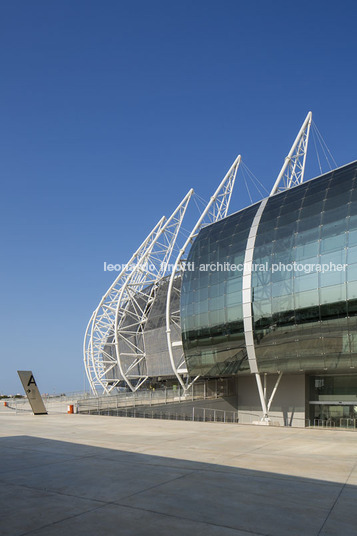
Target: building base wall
[{"x": 288, "y": 407}]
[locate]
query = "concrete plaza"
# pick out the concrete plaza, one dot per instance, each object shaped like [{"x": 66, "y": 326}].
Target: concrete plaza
[{"x": 93, "y": 475}]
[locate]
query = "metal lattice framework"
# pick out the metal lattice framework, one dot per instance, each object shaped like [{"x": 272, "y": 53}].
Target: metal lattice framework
[
  {"x": 216, "y": 209},
  {"x": 292, "y": 172},
  {"x": 137, "y": 296},
  {"x": 88, "y": 362},
  {"x": 99, "y": 360}
]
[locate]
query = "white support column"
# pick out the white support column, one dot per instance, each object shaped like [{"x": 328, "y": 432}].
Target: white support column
[{"x": 247, "y": 289}]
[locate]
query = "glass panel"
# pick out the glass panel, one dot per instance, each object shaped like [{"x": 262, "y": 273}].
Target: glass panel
[
  {"x": 306, "y": 299},
  {"x": 306, "y": 236},
  {"x": 340, "y": 200},
  {"x": 352, "y": 290},
  {"x": 233, "y": 298},
  {"x": 217, "y": 303},
  {"x": 306, "y": 266},
  {"x": 216, "y": 290},
  {"x": 281, "y": 288},
  {"x": 332, "y": 278},
  {"x": 352, "y": 272},
  {"x": 262, "y": 293},
  {"x": 234, "y": 285},
  {"x": 306, "y": 251},
  {"x": 311, "y": 222},
  {"x": 334, "y": 258},
  {"x": 331, "y": 229},
  {"x": 283, "y": 303},
  {"x": 333, "y": 294},
  {"x": 338, "y": 213},
  {"x": 352, "y": 255},
  {"x": 307, "y": 282},
  {"x": 332, "y": 243},
  {"x": 352, "y": 238},
  {"x": 234, "y": 313},
  {"x": 261, "y": 309}
]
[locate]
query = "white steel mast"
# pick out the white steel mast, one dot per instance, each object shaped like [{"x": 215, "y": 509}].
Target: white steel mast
[
  {"x": 215, "y": 210},
  {"x": 292, "y": 172}
]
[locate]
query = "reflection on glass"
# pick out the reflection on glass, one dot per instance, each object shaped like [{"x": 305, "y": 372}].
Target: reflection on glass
[{"x": 304, "y": 319}]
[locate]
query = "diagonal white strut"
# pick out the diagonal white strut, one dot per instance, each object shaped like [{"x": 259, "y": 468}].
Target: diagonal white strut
[
  {"x": 215, "y": 210},
  {"x": 87, "y": 355},
  {"x": 292, "y": 172}
]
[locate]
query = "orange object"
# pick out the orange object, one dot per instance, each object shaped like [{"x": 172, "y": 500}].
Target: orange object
[
  {"x": 70, "y": 408},
  {"x": 5, "y": 404}
]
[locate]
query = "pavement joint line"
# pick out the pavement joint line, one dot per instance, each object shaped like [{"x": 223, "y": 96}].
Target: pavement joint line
[
  {"x": 275, "y": 476},
  {"x": 269, "y": 443},
  {"x": 157, "y": 485},
  {"x": 58, "y": 492},
  {"x": 337, "y": 499},
  {"x": 47, "y": 525},
  {"x": 312, "y": 457},
  {"x": 278, "y": 476},
  {"x": 58, "y": 462},
  {"x": 55, "y": 492},
  {"x": 251, "y": 532}
]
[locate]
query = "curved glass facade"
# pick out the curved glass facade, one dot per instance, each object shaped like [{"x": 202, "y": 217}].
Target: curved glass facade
[
  {"x": 304, "y": 319},
  {"x": 211, "y": 301}
]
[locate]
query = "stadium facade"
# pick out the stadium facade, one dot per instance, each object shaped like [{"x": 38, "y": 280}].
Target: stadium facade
[{"x": 266, "y": 296}]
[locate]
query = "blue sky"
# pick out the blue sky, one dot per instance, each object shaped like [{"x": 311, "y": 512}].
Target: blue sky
[{"x": 111, "y": 111}]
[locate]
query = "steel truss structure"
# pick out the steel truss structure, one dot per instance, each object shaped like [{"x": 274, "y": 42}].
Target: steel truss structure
[
  {"x": 137, "y": 296},
  {"x": 293, "y": 170},
  {"x": 99, "y": 359},
  {"x": 120, "y": 317},
  {"x": 216, "y": 209},
  {"x": 114, "y": 344}
]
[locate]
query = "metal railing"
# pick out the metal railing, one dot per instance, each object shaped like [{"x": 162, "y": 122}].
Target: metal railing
[
  {"x": 54, "y": 403},
  {"x": 196, "y": 414},
  {"x": 214, "y": 415},
  {"x": 343, "y": 422},
  {"x": 152, "y": 397}
]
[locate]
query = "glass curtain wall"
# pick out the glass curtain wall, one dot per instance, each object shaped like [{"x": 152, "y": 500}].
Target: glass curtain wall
[{"x": 304, "y": 319}]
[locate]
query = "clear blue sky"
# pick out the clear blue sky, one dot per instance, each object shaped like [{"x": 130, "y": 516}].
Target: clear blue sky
[{"x": 112, "y": 110}]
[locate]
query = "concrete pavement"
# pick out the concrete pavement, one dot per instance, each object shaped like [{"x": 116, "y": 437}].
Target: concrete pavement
[{"x": 95, "y": 475}]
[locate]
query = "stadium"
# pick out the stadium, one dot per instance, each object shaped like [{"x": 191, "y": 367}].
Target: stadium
[{"x": 265, "y": 297}]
